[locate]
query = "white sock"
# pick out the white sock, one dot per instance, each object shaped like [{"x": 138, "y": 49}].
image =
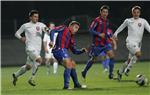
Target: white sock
[
  {"x": 55, "y": 67},
  {"x": 34, "y": 69},
  {"x": 122, "y": 68},
  {"x": 132, "y": 61},
  {"x": 48, "y": 66},
  {"x": 21, "y": 71}
]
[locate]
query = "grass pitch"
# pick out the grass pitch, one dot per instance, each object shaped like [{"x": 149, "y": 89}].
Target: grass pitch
[{"x": 97, "y": 82}]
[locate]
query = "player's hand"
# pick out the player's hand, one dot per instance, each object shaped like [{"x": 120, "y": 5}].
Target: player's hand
[
  {"x": 102, "y": 35},
  {"x": 23, "y": 39},
  {"x": 51, "y": 44},
  {"x": 85, "y": 50},
  {"x": 46, "y": 29},
  {"x": 115, "y": 37}
]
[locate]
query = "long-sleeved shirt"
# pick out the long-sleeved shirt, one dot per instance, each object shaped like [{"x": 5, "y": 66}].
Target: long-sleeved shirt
[
  {"x": 135, "y": 29},
  {"x": 64, "y": 40},
  {"x": 99, "y": 26},
  {"x": 33, "y": 34}
]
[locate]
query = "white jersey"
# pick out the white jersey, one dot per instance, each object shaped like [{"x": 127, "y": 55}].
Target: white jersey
[
  {"x": 47, "y": 39},
  {"x": 33, "y": 34},
  {"x": 135, "y": 29}
]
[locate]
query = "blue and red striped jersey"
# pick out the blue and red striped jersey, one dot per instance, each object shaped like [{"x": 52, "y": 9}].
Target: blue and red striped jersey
[
  {"x": 64, "y": 40},
  {"x": 98, "y": 26}
]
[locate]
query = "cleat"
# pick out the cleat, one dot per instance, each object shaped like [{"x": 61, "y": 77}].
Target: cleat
[
  {"x": 119, "y": 77},
  {"x": 127, "y": 72},
  {"x": 78, "y": 86},
  {"x": 14, "y": 79},
  {"x": 110, "y": 76},
  {"x": 32, "y": 82},
  {"x": 83, "y": 75}
]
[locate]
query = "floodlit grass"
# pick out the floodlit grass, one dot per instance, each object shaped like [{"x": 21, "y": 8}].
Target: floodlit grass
[{"x": 97, "y": 82}]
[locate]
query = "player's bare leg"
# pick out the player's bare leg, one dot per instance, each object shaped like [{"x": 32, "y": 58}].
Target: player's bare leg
[{"x": 34, "y": 71}]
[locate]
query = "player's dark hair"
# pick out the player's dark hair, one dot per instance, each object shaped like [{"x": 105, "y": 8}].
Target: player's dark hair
[
  {"x": 32, "y": 12},
  {"x": 74, "y": 22},
  {"x": 104, "y": 7},
  {"x": 136, "y": 7}
]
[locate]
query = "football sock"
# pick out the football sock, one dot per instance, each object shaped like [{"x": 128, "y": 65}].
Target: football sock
[
  {"x": 74, "y": 77},
  {"x": 67, "y": 73},
  {"x": 55, "y": 67},
  {"x": 21, "y": 71},
  {"x": 88, "y": 66},
  {"x": 111, "y": 65}
]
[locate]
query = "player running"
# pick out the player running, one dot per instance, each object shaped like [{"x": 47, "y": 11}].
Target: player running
[
  {"x": 102, "y": 41},
  {"x": 33, "y": 41},
  {"x": 136, "y": 27},
  {"x": 64, "y": 42},
  {"x": 49, "y": 58}
]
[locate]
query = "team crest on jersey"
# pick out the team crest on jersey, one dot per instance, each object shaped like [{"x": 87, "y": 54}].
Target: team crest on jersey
[
  {"x": 37, "y": 28},
  {"x": 139, "y": 24}
]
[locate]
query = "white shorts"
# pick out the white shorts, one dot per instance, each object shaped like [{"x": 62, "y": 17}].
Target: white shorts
[
  {"x": 133, "y": 47},
  {"x": 49, "y": 54},
  {"x": 32, "y": 55}
]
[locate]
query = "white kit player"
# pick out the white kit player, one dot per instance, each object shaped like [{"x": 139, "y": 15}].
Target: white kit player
[
  {"x": 49, "y": 58},
  {"x": 33, "y": 41},
  {"x": 136, "y": 26}
]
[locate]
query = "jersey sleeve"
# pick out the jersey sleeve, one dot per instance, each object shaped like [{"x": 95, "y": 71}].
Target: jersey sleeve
[
  {"x": 73, "y": 47},
  {"x": 92, "y": 28},
  {"x": 121, "y": 27},
  {"x": 56, "y": 30},
  {"x": 45, "y": 37},
  {"x": 147, "y": 26},
  {"x": 19, "y": 32}
]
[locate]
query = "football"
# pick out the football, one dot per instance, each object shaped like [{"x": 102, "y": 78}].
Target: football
[{"x": 141, "y": 80}]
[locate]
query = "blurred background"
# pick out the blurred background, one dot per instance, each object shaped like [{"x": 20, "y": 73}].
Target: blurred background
[{"x": 15, "y": 13}]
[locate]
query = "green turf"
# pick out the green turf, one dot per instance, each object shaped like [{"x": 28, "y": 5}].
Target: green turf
[{"x": 97, "y": 82}]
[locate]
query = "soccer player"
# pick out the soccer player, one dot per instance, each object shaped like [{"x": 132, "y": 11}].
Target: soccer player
[
  {"x": 102, "y": 41},
  {"x": 64, "y": 42},
  {"x": 49, "y": 58},
  {"x": 33, "y": 40},
  {"x": 136, "y": 27}
]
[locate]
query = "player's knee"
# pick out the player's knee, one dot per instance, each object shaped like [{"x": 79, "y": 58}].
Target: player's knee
[
  {"x": 138, "y": 54},
  {"x": 73, "y": 64},
  {"x": 39, "y": 60},
  {"x": 67, "y": 63},
  {"x": 111, "y": 54},
  {"x": 28, "y": 67}
]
